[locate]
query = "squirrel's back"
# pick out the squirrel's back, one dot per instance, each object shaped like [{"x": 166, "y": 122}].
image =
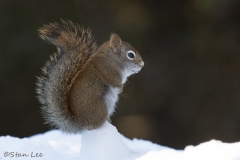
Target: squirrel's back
[{"x": 75, "y": 46}]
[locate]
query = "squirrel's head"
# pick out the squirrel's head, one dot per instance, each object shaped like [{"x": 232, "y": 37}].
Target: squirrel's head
[{"x": 126, "y": 55}]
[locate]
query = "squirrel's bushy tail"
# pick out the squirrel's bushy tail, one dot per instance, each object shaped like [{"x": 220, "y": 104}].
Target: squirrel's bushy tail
[{"x": 75, "y": 46}]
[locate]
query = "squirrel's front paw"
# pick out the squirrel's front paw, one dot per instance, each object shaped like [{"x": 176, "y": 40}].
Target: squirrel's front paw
[
  {"x": 109, "y": 120},
  {"x": 121, "y": 89}
]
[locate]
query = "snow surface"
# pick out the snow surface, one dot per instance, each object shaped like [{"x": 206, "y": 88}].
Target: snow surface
[{"x": 106, "y": 143}]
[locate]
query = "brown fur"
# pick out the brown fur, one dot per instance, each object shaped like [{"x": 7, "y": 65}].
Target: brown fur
[{"x": 76, "y": 80}]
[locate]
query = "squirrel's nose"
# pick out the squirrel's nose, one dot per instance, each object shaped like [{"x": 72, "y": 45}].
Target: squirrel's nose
[{"x": 141, "y": 63}]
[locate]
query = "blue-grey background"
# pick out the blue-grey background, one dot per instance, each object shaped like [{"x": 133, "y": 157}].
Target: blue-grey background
[{"x": 187, "y": 93}]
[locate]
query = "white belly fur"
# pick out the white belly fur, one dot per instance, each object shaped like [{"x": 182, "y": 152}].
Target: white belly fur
[{"x": 111, "y": 98}]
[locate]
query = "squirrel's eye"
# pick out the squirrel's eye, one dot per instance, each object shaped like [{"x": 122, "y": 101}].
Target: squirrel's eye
[{"x": 130, "y": 55}]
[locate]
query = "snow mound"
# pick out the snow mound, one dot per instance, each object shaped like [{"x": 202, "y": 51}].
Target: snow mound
[{"x": 106, "y": 143}]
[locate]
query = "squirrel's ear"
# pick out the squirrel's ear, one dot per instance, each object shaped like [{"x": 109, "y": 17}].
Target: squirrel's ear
[{"x": 115, "y": 41}]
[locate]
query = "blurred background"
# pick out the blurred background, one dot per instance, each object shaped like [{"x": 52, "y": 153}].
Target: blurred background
[{"x": 187, "y": 93}]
